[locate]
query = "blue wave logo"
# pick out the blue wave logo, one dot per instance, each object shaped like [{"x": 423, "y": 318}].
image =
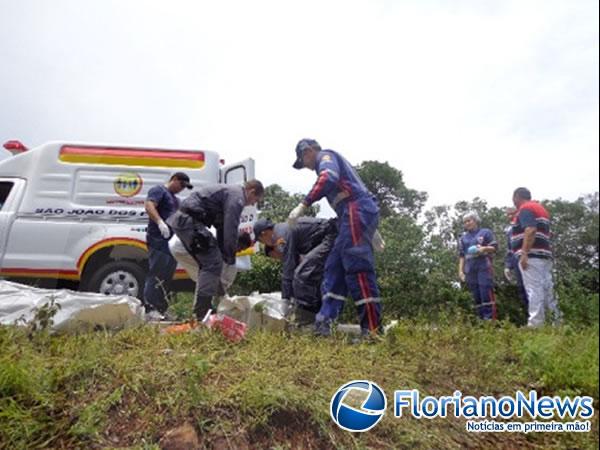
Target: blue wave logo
[{"x": 358, "y": 419}]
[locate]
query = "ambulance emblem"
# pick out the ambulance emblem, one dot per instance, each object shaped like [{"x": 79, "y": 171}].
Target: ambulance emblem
[{"x": 128, "y": 184}]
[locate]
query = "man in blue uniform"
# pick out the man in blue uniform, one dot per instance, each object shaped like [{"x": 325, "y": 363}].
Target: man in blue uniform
[
  {"x": 161, "y": 203},
  {"x": 476, "y": 247},
  {"x": 349, "y": 268}
]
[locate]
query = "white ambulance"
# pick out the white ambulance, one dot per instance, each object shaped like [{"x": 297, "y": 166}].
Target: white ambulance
[{"x": 75, "y": 211}]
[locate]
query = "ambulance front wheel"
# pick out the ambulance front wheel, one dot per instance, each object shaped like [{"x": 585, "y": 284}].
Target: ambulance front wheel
[{"x": 117, "y": 278}]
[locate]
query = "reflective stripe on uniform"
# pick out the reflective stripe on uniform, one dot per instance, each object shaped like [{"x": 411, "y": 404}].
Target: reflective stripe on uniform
[
  {"x": 485, "y": 304},
  {"x": 367, "y": 300}
]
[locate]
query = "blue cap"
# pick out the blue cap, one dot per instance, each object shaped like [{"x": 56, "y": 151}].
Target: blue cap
[
  {"x": 261, "y": 225},
  {"x": 304, "y": 144}
]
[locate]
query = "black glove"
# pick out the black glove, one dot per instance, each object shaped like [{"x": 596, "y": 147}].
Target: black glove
[{"x": 244, "y": 241}]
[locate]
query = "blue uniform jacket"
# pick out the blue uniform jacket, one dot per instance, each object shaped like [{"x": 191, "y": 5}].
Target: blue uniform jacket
[
  {"x": 483, "y": 237},
  {"x": 337, "y": 180}
]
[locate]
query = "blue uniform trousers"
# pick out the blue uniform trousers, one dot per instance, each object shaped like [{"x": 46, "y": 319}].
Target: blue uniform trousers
[
  {"x": 350, "y": 269},
  {"x": 480, "y": 281},
  {"x": 161, "y": 268}
]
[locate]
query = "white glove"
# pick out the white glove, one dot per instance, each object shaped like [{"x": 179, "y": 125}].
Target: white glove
[
  {"x": 296, "y": 213},
  {"x": 378, "y": 242},
  {"x": 228, "y": 274},
  {"x": 508, "y": 275},
  {"x": 164, "y": 229}
]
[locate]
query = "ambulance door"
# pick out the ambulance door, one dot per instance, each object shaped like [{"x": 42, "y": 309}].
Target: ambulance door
[
  {"x": 238, "y": 173},
  {"x": 11, "y": 193}
]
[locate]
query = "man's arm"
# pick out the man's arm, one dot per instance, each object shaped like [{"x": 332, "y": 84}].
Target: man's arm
[
  {"x": 154, "y": 197},
  {"x": 487, "y": 249},
  {"x": 461, "y": 268},
  {"x": 234, "y": 204},
  {"x": 290, "y": 260},
  {"x": 461, "y": 260},
  {"x": 329, "y": 175},
  {"x": 527, "y": 221},
  {"x": 490, "y": 245},
  {"x": 152, "y": 212},
  {"x": 528, "y": 240},
  {"x": 508, "y": 258}
]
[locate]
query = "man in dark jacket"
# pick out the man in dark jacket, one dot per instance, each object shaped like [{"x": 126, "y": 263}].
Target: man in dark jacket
[
  {"x": 304, "y": 250},
  {"x": 218, "y": 206},
  {"x": 511, "y": 262}
]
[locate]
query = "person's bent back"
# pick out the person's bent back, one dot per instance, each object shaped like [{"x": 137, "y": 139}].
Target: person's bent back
[{"x": 218, "y": 206}]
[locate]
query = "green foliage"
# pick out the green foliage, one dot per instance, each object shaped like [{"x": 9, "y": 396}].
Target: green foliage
[
  {"x": 103, "y": 390},
  {"x": 575, "y": 239},
  {"x": 577, "y": 303},
  {"x": 387, "y": 184},
  {"x": 400, "y": 268},
  {"x": 265, "y": 276},
  {"x": 563, "y": 362},
  {"x": 278, "y": 204},
  {"x": 182, "y": 305},
  {"x": 43, "y": 317},
  {"x": 92, "y": 417}
]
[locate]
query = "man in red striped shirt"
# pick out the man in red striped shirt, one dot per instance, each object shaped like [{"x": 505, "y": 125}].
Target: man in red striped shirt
[{"x": 530, "y": 243}]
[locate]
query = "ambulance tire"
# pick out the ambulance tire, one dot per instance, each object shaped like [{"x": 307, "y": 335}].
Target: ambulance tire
[{"x": 117, "y": 277}]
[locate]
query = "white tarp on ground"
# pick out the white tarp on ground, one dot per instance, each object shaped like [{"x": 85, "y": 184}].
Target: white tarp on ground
[
  {"x": 265, "y": 311},
  {"x": 78, "y": 310}
]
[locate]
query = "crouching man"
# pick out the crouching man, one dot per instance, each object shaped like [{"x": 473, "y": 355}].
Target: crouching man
[
  {"x": 218, "y": 206},
  {"x": 303, "y": 250}
]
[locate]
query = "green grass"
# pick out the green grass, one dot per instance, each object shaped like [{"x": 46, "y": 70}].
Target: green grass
[{"x": 128, "y": 388}]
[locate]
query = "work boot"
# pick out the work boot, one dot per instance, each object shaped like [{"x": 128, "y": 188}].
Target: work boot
[
  {"x": 301, "y": 321},
  {"x": 202, "y": 306},
  {"x": 323, "y": 328},
  {"x": 153, "y": 316},
  {"x": 303, "y": 317}
]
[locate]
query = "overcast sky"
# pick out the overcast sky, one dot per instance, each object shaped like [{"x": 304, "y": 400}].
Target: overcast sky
[{"x": 467, "y": 98}]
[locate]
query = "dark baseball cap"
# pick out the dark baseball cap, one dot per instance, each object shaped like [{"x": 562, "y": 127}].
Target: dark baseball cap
[
  {"x": 304, "y": 144},
  {"x": 183, "y": 178},
  {"x": 261, "y": 225}
]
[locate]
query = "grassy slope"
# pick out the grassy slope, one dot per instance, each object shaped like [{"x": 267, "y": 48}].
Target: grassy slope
[{"x": 272, "y": 390}]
